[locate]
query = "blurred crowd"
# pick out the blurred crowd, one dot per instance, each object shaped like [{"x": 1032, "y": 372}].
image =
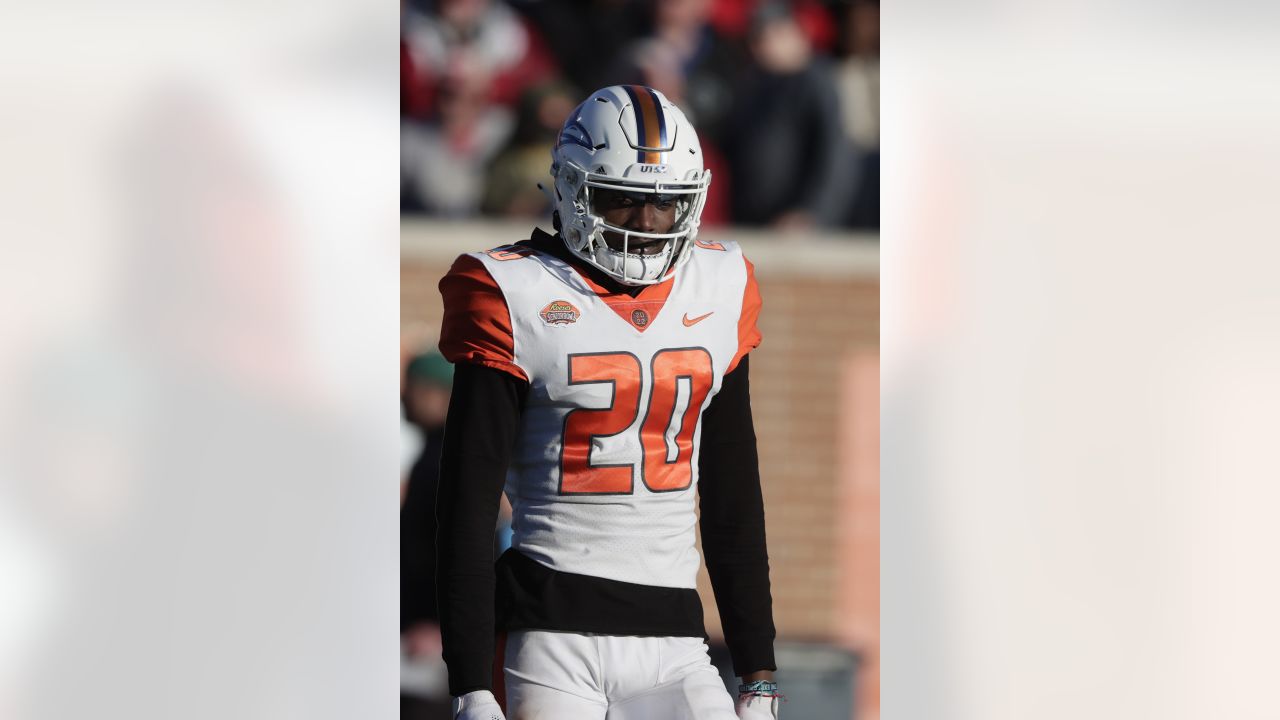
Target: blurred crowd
[
  {"x": 426, "y": 386},
  {"x": 784, "y": 94}
]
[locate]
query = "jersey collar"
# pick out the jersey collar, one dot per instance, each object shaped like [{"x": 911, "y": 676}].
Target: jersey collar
[{"x": 637, "y": 306}]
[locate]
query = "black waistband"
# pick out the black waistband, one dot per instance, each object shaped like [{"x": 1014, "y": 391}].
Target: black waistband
[{"x": 532, "y": 596}]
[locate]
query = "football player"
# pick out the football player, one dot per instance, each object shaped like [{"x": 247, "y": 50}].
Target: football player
[{"x": 602, "y": 379}]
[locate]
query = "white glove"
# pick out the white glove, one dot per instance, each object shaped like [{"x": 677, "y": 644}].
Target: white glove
[
  {"x": 477, "y": 705},
  {"x": 758, "y": 705}
]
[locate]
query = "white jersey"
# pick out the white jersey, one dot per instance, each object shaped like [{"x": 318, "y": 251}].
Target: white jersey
[{"x": 604, "y": 474}]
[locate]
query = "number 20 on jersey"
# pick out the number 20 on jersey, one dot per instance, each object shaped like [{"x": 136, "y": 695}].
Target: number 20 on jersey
[{"x": 666, "y": 462}]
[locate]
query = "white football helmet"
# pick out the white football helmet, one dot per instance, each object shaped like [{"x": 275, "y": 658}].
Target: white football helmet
[{"x": 628, "y": 138}]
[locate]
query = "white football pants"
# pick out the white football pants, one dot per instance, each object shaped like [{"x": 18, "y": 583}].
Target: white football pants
[{"x": 571, "y": 676}]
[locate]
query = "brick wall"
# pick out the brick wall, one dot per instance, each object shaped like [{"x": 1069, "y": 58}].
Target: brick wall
[{"x": 816, "y": 431}]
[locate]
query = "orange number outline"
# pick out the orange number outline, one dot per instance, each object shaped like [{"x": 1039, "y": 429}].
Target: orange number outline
[
  {"x": 509, "y": 252},
  {"x": 693, "y": 363},
  {"x": 578, "y": 476}
]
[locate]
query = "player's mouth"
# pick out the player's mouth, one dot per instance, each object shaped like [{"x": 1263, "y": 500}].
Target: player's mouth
[{"x": 637, "y": 246}]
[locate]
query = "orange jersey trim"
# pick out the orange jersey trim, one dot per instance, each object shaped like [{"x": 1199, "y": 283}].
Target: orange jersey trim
[
  {"x": 476, "y": 327},
  {"x": 650, "y": 300},
  {"x": 748, "y": 333}
]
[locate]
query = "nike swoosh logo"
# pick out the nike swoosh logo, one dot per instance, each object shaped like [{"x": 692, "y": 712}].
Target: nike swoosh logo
[{"x": 690, "y": 322}]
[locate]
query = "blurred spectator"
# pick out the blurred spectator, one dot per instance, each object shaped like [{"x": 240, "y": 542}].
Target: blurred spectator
[
  {"x": 732, "y": 18},
  {"x": 482, "y": 44},
  {"x": 428, "y": 380},
  {"x": 425, "y": 402},
  {"x": 512, "y": 187},
  {"x": 424, "y": 399},
  {"x": 858, "y": 81},
  {"x": 791, "y": 138},
  {"x": 688, "y": 61},
  {"x": 858, "y": 73},
  {"x": 791, "y": 164},
  {"x": 463, "y": 66},
  {"x": 587, "y": 36},
  {"x": 708, "y": 64},
  {"x": 442, "y": 163},
  {"x": 416, "y": 94}
]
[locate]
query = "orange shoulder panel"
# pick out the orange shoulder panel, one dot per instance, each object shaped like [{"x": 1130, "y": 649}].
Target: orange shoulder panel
[
  {"x": 748, "y": 334},
  {"x": 477, "y": 324}
]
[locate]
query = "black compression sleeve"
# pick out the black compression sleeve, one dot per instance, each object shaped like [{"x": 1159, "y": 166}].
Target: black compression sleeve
[
  {"x": 732, "y": 522},
  {"x": 484, "y": 418}
]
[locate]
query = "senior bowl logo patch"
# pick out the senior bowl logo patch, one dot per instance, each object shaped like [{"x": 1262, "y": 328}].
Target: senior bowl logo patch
[{"x": 559, "y": 312}]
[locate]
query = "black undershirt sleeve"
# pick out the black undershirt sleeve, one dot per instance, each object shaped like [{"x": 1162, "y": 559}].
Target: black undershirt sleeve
[
  {"x": 732, "y": 524},
  {"x": 483, "y": 421}
]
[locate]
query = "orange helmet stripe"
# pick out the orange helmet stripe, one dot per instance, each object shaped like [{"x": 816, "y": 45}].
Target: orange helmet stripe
[{"x": 651, "y": 125}]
